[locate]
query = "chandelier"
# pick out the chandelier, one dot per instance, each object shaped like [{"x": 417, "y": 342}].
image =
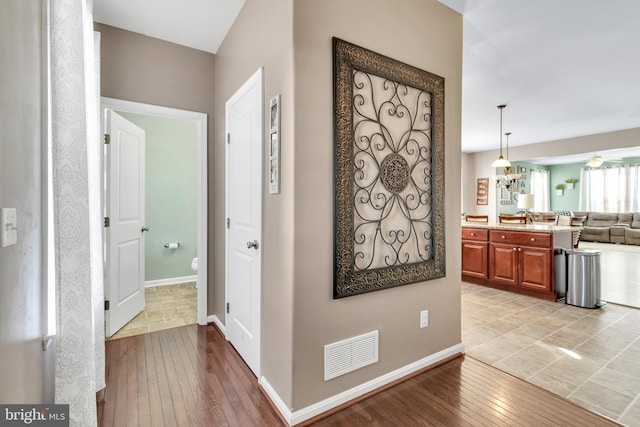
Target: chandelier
[{"x": 508, "y": 180}]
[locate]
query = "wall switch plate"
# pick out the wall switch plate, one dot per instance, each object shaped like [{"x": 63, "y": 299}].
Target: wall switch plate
[
  {"x": 424, "y": 318},
  {"x": 8, "y": 227}
]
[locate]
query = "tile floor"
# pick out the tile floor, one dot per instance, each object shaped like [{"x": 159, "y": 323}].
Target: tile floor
[
  {"x": 166, "y": 307},
  {"x": 591, "y": 357},
  {"x": 619, "y": 265}
]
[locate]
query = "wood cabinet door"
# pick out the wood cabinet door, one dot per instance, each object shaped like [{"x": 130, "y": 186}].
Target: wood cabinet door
[
  {"x": 503, "y": 263},
  {"x": 535, "y": 268},
  {"x": 474, "y": 258}
]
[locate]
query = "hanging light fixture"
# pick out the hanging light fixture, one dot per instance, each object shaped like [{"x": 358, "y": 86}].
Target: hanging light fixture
[
  {"x": 507, "y": 170},
  {"x": 501, "y": 162}
]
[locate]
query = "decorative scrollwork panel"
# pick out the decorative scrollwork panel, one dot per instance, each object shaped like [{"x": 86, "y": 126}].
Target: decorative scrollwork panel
[{"x": 389, "y": 159}]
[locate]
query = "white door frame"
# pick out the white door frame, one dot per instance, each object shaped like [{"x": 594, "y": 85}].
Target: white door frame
[{"x": 202, "y": 173}]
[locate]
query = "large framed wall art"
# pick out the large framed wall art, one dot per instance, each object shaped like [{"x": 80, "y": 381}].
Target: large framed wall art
[{"x": 389, "y": 172}]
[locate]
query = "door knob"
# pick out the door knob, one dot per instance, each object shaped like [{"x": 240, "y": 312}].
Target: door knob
[
  {"x": 253, "y": 244},
  {"x": 143, "y": 229}
]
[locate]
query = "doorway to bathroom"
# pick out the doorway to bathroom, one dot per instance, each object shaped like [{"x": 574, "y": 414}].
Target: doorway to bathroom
[{"x": 175, "y": 220}]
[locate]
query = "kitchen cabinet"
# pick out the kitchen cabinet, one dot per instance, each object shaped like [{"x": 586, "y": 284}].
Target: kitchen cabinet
[
  {"x": 521, "y": 259},
  {"x": 475, "y": 251},
  {"x": 511, "y": 259}
]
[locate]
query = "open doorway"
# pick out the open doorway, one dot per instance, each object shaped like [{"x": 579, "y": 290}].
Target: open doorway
[{"x": 176, "y": 216}]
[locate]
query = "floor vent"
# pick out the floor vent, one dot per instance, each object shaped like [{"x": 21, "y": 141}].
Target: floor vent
[{"x": 351, "y": 354}]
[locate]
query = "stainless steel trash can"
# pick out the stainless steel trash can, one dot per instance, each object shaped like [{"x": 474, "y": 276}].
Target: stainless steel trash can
[
  {"x": 560, "y": 271},
  {"x": 583, "y": 278}
]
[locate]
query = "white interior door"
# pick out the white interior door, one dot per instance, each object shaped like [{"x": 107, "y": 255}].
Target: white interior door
[
  {"x": 124, "y": 284},
  {"x": 244, "y": 117}
]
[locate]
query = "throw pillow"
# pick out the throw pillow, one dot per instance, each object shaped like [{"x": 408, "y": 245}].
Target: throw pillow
[{"x": 564, "y": 220}]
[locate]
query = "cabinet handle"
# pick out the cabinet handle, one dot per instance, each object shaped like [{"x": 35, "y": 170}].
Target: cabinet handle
[
  {"x": 515, "y": 249},
  {"x": 533, "y": 239},
  {"x": 473, "y": 234},
  {"x": 503, "y": 237},
  {"x": 519, "y": 249}
]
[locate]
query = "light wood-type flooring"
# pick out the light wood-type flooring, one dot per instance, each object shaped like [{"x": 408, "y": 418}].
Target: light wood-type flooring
[{"x": 191, "y": 376}]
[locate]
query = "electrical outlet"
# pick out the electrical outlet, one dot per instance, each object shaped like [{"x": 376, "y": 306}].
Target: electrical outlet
[
  {"x": 424, "y": 318},
  {"x": 8, "y": 226}
]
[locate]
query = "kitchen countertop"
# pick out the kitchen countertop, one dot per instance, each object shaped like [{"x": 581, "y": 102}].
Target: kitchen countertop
[{"x": 530, "y": 228}]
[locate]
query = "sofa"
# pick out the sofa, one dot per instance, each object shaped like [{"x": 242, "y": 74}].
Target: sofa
[
  {"x": 606, "y": 227},
  {"x": 632, "y": 233},
  {"x": 622, "y": 227}
]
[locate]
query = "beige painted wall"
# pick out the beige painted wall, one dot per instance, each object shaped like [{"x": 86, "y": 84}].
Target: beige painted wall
[
  {"x": 299, "y": 315},
  {"x": 262, "y": 37},
  {"x": 425, "y": 34},
  {"x": 143, "y": 69},
  {"x": 24, "y": 376},
  {"x": 480, "y": 162}
]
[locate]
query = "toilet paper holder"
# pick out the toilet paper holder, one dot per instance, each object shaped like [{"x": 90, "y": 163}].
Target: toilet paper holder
[{"x": 172, "y": 245}]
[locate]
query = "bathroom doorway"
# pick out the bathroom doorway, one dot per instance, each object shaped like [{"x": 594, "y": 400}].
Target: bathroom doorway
[{"x": 176, "y": 201}]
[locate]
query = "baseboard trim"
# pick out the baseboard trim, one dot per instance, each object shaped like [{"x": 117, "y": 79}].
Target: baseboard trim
[
  {"x": 170, "y": 281},
  {"x": 277, "y": 402},
  {"x": 214, "y": 319},
  {"x": 326, "y": 405}
]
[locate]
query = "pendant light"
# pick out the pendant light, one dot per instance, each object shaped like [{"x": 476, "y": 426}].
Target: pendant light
[
  {"x": 512, "y": 178},
  {"x": 501, "y": 162}
]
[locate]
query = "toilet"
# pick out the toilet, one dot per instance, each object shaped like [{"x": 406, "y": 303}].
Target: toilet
[{"x": 194, "y": 267}]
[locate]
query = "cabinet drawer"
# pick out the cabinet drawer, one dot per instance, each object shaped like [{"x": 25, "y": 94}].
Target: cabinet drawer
[
  {"x": 540, "y": 240},
  {"x": 475, "y": 234}
]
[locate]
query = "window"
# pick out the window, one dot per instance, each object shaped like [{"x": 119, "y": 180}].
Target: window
[
  {"x": 611, "y": 189},
  {"x": 540, "y": 190}
]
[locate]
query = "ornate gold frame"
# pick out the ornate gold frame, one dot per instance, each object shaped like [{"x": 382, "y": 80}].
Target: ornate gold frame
[{"x": 417, "y": 167}]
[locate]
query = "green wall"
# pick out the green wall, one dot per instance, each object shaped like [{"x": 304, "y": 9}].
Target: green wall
[
  {"x": 558, "y": 174},
  {"x": 569, "y": 199},
  {"x": 171, "y": 196}
]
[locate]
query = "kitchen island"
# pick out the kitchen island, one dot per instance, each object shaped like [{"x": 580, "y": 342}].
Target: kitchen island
[{"x": 513, "y": 257}]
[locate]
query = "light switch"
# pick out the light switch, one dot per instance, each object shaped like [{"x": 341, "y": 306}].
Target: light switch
[{"x": 8, "y": 226}]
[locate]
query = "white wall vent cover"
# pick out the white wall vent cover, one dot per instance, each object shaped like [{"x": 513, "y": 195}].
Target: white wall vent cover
[{"x": 350, "y": 354}]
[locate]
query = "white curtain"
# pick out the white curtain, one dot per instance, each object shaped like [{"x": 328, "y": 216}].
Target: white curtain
[
  {"x": 611, "y": 189},
  {"x": 540, "y": 190},
  {"x": 76, "y": 148}
]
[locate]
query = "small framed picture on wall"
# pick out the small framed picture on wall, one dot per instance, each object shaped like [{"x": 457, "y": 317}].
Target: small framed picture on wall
[
  {"x": 482, "y": 191},
  {"x": 274, "y": 145}
]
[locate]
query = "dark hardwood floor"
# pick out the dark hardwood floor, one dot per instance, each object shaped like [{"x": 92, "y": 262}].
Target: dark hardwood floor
[
  {"x": 187, "y": 376},
  {"x": 191, "y": 376}
]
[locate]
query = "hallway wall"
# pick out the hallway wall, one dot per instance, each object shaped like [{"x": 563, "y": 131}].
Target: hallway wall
[
  {"x": 299, "y": 314},
  {"x": 26, "y": 373},
  {"x": 143, "y": 69},
  {"x": 422, "y": 33}
]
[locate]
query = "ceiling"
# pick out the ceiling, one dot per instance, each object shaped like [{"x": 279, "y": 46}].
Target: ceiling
[
  {"x": 584, "y": 157},
  {"x": 564, "y": 68},
  {"x": 200, "y": 24}
]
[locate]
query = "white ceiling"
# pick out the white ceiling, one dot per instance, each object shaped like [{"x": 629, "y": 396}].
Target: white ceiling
[
  {"x": 200, "y": 24},
  {"x": 564, "y": 68},
  {"x": 584, "y": 157}
]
